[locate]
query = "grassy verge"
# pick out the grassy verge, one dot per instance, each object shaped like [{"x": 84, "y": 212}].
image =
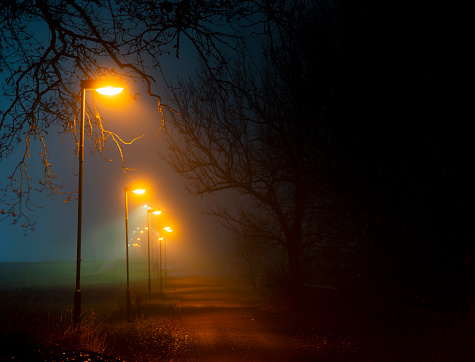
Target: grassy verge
[{"x": 28, "y": 333}]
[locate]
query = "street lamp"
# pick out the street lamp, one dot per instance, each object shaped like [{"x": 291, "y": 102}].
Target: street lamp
[
  {"x": 137, "y": 192},
  {"x": 169, "y": 230},
  {"x": 160, "y": 263},
  {"x": 155, "y": 212},
  {"x": 104, "y": 87}
]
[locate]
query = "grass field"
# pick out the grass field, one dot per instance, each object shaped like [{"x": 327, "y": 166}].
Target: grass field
[
  {"x": 63, "y": 273},
  {"x": 103, "y": 284},
  {"x": 52, "y": 284}
]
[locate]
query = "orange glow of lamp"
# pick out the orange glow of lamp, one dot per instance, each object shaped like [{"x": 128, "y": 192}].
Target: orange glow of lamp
[
  {"x": 103, "y": 86},
  {"x": 109, "y": 90}
]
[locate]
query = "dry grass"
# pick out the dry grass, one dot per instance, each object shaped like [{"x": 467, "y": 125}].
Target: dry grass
[
  {"x": 25, "y": 329},
  {"x": 28, "y": 331}
]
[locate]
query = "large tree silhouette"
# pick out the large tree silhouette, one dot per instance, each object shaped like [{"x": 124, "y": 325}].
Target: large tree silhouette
[{"x": 261, "y": 132}]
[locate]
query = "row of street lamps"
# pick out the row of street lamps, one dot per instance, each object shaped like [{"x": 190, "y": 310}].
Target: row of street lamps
[
  {"x": 150, "y": 210},
  {"x": 105, "y": 88}
]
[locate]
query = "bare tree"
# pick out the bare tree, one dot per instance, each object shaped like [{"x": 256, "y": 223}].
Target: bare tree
[
  {"x": 48, "y": 46},
  {"x": 254, "y": 135},
  {"x": 263, "y": 132}
]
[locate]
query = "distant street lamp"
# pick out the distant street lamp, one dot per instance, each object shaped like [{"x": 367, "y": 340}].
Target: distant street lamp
[
  {"x": 107, "y": 88},
  {"x": 169, "y": 230},
  {"x": 155, "y": 212},
  {"x": 137, "y": 192},
  {"x": 160, "y": 263}
]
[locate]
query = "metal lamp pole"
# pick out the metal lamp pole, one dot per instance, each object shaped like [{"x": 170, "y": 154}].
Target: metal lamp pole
[
  {"x": 136, "y": 191},
  {"x": 127, "y": 252},
  {"x": 148, "y": 247},
  {"x": 155, "y": 212},
  {"x": 109, "y": 88},
  {"x": 77, "y": 293},
  {"x": 160, "y": 248},
  {"x": 168, "y": 230}
]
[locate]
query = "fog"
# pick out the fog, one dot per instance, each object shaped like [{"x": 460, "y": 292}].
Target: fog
[{"x": 196, "y": 238}]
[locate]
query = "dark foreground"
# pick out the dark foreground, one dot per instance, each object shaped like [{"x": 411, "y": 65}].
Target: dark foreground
[{"x": 204, "y": 319}]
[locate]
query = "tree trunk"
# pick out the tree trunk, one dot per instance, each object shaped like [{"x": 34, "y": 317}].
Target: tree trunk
[
  {"x": 295, "y": 277},
  {"x": 469, "y": 270}
]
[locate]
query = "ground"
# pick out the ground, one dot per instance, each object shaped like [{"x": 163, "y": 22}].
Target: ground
[
  {"x": 218, "y": 319},
  {"x": 195, "y": 319}
]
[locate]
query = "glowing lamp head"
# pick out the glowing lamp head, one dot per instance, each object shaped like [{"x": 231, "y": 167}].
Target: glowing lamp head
[
  {"x": 138, "y": 191},
  {"x": 154, "y": 211},
  {"x": 109, "y": 90},
  {"x": 103, "y": 86},
  {"x": 168, "y": 229}
]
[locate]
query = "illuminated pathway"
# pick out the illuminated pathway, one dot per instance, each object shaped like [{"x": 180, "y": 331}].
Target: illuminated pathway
[{"x": 236, "y": 334}]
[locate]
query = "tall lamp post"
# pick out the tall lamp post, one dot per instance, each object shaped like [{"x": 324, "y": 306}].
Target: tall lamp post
[
  {"x": 168, "y": 230},
  {"x": 136, "y": 191},
  {"x": 155, "y": 212},
  {"x": 107, "y": 88}
]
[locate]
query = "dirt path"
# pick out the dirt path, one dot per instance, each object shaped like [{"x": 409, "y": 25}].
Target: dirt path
[
  {"x": 223, "y": 323},
  {"x": 236, "y": 334}
]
